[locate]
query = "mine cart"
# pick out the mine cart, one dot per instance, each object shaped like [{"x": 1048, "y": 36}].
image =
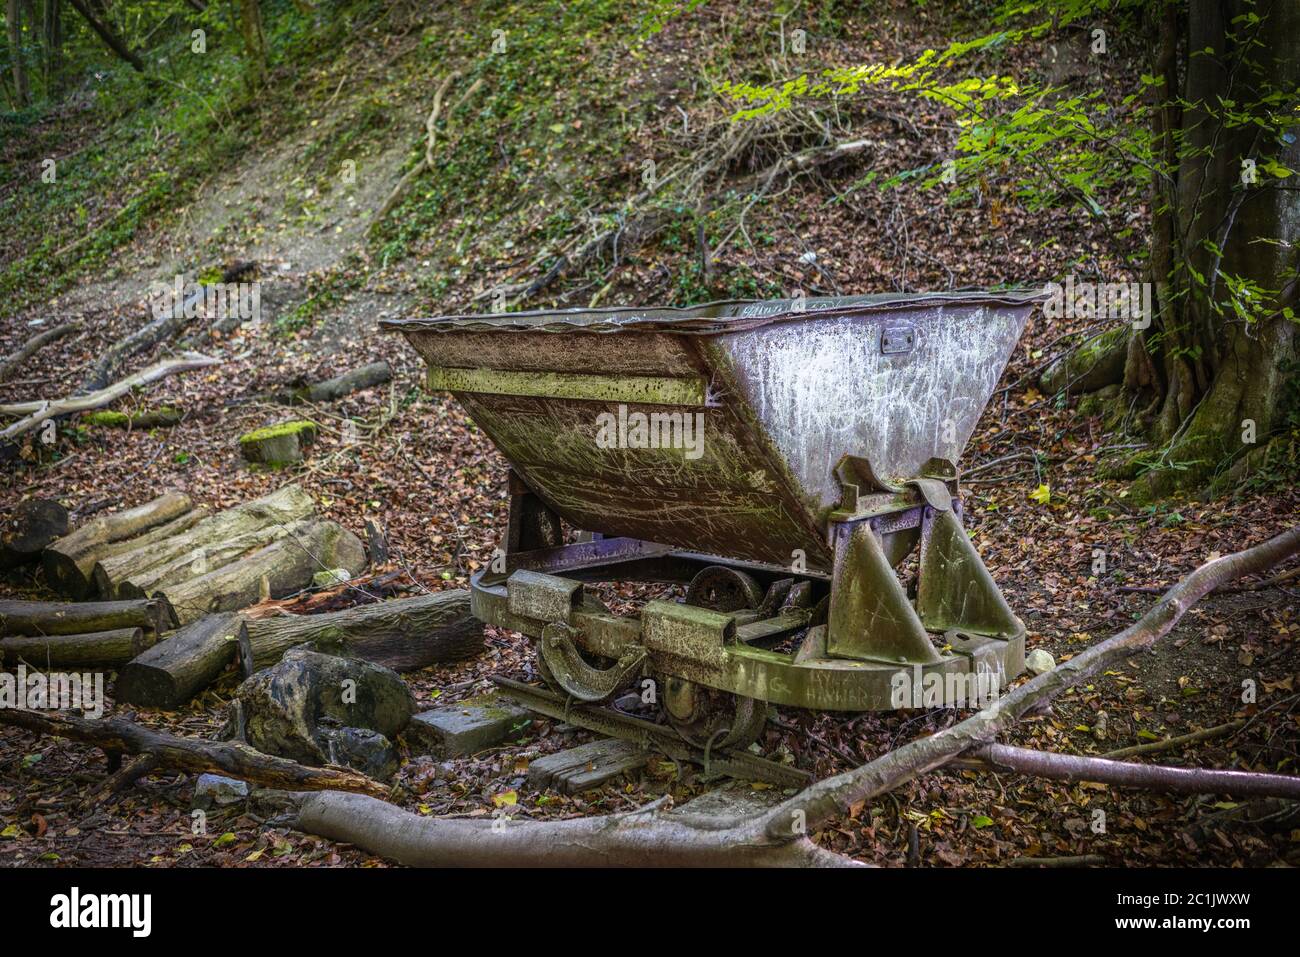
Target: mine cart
[{"x": 793, "y": 463}]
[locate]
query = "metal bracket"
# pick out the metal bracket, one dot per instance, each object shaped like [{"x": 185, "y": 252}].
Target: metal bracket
[
  {"x": 585, "y": 682},
  {"x": 954, "y": 589},
  {"x": 870, "y": 616}
]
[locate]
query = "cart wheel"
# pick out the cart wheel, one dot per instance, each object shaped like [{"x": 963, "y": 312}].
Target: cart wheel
[
  {"x": 708, "y": 718},
  {"x": 720, "y": 588}
]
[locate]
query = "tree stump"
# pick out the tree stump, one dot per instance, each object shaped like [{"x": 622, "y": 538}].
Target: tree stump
[
  {"x": 322, "y": 709},
  {"x": 278, "y": 445}
]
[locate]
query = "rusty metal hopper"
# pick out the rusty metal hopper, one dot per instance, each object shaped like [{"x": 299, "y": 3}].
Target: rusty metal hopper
[{"x": 785, "y": 388}]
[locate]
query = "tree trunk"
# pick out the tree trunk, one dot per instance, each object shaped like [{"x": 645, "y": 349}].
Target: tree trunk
[
  {"x": 68, "y": 560},
  {"x": 1150, "y": 777},
  {"x": 404, "y": 635},
  {"x": 14, "y": 20},
  {"x": 216, "y": 553},
  {"x": 52, "y": 41},
  {"x": 100, "y": 649},
  {"x": 59, "y": 618},
  {"x": 270, "y": 513},
  {"x": 1213, "y": 384},
  {"x": 12, "y": 363},
  {"x": 175, "y": 670},
  {"x": 279, "y": 569},
  {"x": 250, "y": 26}
]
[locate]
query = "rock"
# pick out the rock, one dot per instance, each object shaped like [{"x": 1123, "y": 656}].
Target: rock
[
  {"x": 320, "y": 709},
  {"x": 586, "y": 766},
  {"x": 278, "y": 445},
  {"x": 1039, "y": 662},
  {"x": 468, "y": 726},
  {"x": 327, "y": 579},
  {"x": 214, "y": 790}
]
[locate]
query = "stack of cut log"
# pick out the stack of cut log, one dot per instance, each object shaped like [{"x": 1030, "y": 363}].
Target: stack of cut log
[
  {"x": 201, "y": 561},
  {"x": 104, "y": 634},
  {"x": 405, "y": 634}
]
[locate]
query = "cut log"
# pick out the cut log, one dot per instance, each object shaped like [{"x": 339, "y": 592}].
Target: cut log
[
  {"x": 60, "y": 618},
  {"x": 277, "y": 570},
  {"x": 404, "y": 635},
  {"x": 117, "y": 736},
  {"x": 365, "y": 377},
  {"x": 161, "y": 417},
  {"x": 203, "y": 559},
  {"x": 281, "y": 507},
  {"x": 175, "y": 670},
  {"x": 76, "y": 579},
  {"x": 61, "y": 558},
  {"x": 100, "y": 649},
  {"x": 33, "y": 525},
  {"x": 278, "y": 445}
]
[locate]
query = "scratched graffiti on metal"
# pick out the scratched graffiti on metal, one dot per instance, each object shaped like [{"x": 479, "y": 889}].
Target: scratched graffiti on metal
[{"x": 826, "y": 389}]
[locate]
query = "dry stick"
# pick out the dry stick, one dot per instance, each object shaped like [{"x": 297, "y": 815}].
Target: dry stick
[
  {"x": 776, "y": 837},
  {"x": 1153, "y": 777},
  {"x": 1153, "y": 747},
  {"x": 835, "y": 796},
  {"x": 117, "y": 736},
  {"x": 37, "y": 412},
  {"x": 13, "y": 363}
]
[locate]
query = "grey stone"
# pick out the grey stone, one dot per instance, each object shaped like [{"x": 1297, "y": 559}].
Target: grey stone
[
  {"x": 213, "y": 789},
  {"x": 1039, "y": 662},
  {"x": 334, "y": 576},
  {"x": 467, "y": 727}
]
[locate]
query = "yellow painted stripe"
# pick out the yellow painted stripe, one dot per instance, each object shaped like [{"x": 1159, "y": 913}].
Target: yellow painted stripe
[{"x": 634, "y": 390}]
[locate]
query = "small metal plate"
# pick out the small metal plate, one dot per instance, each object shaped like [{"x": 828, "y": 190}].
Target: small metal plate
[{"x": 896, "y": 340}]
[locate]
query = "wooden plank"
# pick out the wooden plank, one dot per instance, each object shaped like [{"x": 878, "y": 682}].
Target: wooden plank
[{"x": 586, "y": 766}]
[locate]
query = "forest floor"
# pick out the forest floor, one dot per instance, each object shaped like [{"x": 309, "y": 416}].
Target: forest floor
[{"x": 1040, "y": 515}]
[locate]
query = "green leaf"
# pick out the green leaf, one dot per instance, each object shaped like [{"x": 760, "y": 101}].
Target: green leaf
[{"x": 981, "y": 820}]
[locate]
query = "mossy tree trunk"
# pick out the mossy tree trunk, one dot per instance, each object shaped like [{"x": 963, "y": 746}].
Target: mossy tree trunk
[{"x": 1210, "y": 385}]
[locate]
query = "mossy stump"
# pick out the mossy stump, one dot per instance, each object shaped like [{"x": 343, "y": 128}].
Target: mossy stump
[{"x": 278, "y": 445}]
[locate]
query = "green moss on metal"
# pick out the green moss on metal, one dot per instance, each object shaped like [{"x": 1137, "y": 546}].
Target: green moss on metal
[{"x": 647, "y": 390}]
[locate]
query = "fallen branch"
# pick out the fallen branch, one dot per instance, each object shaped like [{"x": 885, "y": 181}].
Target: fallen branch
[
  {"x": 160, "y": 329},
  {"x": 777, "y": 836},
  {"x": 12, "y": 363},
  {"x": 1151, "y": 777},
  {"x": 37, "y": 412},
  {"x": 118, "y": 736},
  {"x": 1168, "y": 744}
]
